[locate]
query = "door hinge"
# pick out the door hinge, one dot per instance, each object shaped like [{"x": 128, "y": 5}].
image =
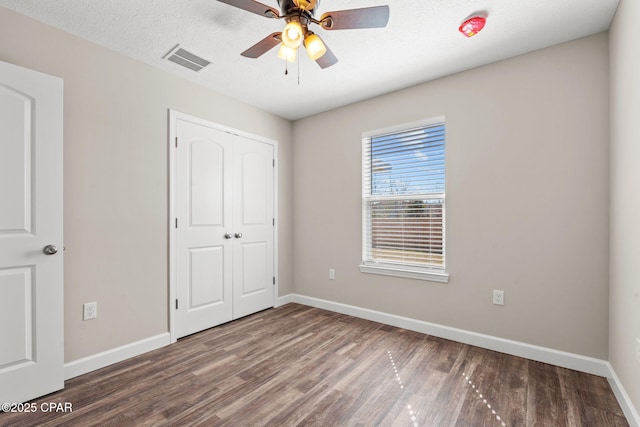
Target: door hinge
[
  {"x": 176, "y": 142},
  {"x": 274, "y": 163},
  {"x": 274, "y": 221},
  {"x": 176, "y": 222},
  {"x": 176, "y": 303},
  {"x": 274, "y": 280}
]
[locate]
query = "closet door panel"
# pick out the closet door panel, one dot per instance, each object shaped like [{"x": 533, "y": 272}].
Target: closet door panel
[{"x": 253, "y": 214}]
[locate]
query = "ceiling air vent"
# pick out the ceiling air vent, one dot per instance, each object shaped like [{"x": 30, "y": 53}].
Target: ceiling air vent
[{"x": 186, "y": 59}]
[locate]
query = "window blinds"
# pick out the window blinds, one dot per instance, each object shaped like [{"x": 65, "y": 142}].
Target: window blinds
[{"x": 404, "y": 198}]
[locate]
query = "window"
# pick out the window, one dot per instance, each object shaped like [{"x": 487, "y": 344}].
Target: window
[{"x": 403, "y": 201}]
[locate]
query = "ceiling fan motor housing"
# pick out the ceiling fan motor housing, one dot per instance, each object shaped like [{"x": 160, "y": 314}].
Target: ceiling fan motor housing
[{"x": 308, "y": 7}]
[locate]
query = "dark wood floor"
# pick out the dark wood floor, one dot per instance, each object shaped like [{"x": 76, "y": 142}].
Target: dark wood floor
[{"x": 296, "y": 365}]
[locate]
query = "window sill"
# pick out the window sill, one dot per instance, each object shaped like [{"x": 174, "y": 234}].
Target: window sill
[{"x": 432, "y": 276}]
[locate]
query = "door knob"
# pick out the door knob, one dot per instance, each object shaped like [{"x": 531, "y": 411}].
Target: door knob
[
  {"x": 228, "y": 235},
  {"x": 50, "y": 250},
  {"x": 238, "y": 235}
]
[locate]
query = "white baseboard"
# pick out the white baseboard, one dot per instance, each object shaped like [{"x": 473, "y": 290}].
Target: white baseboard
[
  {"x": 515, "y": 348},
  {"x": 623, "y": 398},
  {"x": 541, "y": 354},
  {"x": 284, "y": 300},
  {"x": 109, "y": 357}
]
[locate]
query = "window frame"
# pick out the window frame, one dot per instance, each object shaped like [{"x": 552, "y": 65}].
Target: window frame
[{"x": 429, "y": 273}]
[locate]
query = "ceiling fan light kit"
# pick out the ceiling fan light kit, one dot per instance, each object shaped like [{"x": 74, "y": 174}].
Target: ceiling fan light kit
[
  {"x": 299, "y": 14},
  {"x": 315, "y": 47},
  {"x": 287, "y": 53},
  {"x": 292, "y": 35}
]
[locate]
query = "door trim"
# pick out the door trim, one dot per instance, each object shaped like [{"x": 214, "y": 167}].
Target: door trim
[{"x": 174, "y": 116}]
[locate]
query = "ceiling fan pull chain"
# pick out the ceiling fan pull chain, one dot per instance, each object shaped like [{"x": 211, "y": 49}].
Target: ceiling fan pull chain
[{"x": 298, "y": 70}]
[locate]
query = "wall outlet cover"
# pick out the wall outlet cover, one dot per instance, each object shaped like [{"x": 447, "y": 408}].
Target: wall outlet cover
[
  {"x": 89, "y": 310},
  {"x": 498, "y": 297}
]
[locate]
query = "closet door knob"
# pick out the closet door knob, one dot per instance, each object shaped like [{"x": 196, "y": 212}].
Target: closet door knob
[
  {"x": 238, "y": 235},
  {"x": 228, "y": 235}
]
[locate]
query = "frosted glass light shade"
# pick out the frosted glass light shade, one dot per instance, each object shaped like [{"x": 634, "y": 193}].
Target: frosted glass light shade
[
  {"x": 315, "y": 47},
  {"x": 292, "y": 35},
  {"x": 286, "y": 53}
]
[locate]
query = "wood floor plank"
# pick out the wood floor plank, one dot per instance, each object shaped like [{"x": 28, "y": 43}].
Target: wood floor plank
[
  {"x": 301, "y": 366},
  {"x": 512, "y": 390},
  {"x": 545, "y": 404}
]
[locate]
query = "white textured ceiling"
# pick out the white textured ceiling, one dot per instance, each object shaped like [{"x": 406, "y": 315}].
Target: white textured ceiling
[{"x": 420, "y": 43}]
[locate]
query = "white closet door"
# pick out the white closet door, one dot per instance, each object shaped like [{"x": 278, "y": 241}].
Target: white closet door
[
  {"x": 224, "y": 205},
  {"x": 253, "y": 215},
  {"x": 204, "y": 216},
  {"x": 31, "y": 262}
]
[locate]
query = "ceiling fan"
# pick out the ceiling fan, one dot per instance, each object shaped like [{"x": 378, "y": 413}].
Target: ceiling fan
[{"x": 298, "y": 15}]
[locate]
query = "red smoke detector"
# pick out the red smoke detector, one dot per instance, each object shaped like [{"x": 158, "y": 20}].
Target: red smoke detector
[{"x": 473, "y": 25}]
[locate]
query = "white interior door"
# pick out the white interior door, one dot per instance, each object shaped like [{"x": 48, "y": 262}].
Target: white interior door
[
  {"x": 253, "y": 277},
  {"x": 224, "y": 236},
  {"x": 31, "y": 282}
]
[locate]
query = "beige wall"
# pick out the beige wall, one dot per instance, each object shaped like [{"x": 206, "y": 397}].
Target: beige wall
[
  {"x": 116, "y": 179},
  {"x": 624, "y": 319},
  {"x": 527, "y": 212},
  {"x": 527, "y": 200}
]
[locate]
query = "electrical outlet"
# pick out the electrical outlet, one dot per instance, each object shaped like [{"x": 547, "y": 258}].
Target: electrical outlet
[
  {"x": 332, "y": 274},
  {"x": 89, "y": 310},
  {"x": 498, "y": 297}
]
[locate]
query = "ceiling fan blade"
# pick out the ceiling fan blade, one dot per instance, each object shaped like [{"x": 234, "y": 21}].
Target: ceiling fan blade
[
  {"x": 253, "y": 7},
  {"x": 328, "y": 59},
  {"x": 263, "y": 46},
  {"x": 367, "y": 17}
]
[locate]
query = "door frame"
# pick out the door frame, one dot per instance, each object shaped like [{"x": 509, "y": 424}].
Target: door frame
[{"x": 174, "y": 116}]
